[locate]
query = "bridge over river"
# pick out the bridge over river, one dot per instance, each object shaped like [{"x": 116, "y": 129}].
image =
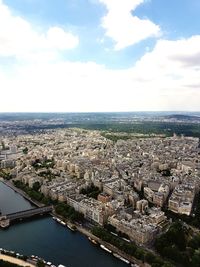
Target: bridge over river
[{"x": 6, "y": 219}]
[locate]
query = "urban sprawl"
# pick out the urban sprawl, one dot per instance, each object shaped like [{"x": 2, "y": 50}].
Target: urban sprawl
[{"x": 139, "y": 180}]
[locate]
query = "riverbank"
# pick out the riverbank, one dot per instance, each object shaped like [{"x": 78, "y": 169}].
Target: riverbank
[
  {"x": 45, "y": 238},
  {"x": 85, "y": 231},
  {"x": 16, "y": 261},
  {"x": 100, "y": 242},
  {"x": 113, "y": 249},
  {"x": 22, "y": 193}
]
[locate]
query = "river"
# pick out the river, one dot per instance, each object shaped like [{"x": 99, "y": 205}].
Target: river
[{"x": 46, "y": 238}]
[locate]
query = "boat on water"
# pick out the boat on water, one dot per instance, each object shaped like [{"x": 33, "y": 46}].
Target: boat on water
[
  {"x": 71, "y": 227},
  {"x": 105, "y": 248},
  {"x": 92, "y": 240},
  {"x": 59, "y": 221},
  {"x": 63, "y": 223},
  {"x": 121, "y": 258}
]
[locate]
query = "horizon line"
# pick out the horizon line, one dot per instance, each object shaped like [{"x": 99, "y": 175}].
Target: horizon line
[{"x": 83, "y": 112}]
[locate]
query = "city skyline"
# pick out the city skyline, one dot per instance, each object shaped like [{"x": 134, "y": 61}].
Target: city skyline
[{"x": 99, "y": 55}]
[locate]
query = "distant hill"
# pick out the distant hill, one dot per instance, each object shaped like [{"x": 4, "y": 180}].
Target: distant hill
[{"x": 182, "y": 117}]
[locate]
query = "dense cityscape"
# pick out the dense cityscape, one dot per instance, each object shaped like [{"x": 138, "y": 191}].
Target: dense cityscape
[{"x": 135, "y": 189}]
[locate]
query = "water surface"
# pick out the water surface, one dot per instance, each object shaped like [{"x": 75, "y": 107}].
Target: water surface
[{"x": 48, "y": 239}]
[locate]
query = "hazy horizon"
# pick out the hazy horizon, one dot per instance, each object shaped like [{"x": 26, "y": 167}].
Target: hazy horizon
[{"x": 88, "y": 112}]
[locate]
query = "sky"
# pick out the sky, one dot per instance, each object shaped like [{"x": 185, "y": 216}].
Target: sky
[{"x": 99, "y": 55}]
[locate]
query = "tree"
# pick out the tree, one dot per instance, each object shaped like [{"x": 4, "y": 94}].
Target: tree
[
  {"x": 196, "y": 259},
  {"x": 36, "y": 186},
  {"x": 40, "y": 263},
  {"x": 149, "y": 257},
  {"x": 25, "y": 150},
  {"x": 167, "y": 264}
]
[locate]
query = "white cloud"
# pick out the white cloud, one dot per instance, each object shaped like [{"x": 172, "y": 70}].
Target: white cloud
[
  {"x": 171, "y": 58},
  {"x": 158, "y": 81},
  {"x": 166, "y": 78},
  {"x": 124, "y": 28},
  {"x": 19, "y": 38},
  {"x": 59, "y": 39},
  {"x": 172, "y": 69}
]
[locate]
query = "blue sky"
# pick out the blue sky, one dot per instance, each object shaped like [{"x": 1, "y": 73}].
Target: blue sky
[{"x": 100, "y": 55}]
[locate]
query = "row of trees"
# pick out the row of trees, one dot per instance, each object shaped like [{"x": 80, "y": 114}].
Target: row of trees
[
  {"x": 62, "y": 209},
  {"x": 68, "y": 212},
  {"x": 34, "y": 192},
  {"x": 180, "y": 245}
]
